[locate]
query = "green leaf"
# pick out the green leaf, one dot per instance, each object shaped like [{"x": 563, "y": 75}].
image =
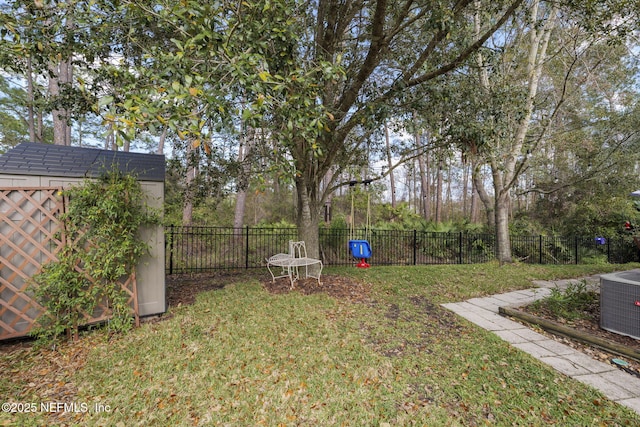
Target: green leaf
[
  {"x": 105, "y": 100},
  {"x": 178, "y": 43}
]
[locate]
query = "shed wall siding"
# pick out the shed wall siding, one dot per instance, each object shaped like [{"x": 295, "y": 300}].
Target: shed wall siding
[{"x": 150, "y": 272}]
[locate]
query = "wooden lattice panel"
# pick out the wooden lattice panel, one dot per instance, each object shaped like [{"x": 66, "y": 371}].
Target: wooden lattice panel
[
  {"x": 29, "y": 238},
  {"x": 31, "y": 235},
  {"x": 103, "y": 311}
]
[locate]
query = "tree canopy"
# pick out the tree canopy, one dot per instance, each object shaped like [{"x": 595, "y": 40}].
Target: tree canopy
[{"x": 306, "y": 86}]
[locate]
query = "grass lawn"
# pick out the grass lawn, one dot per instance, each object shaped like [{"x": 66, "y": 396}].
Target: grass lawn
[{"x": 241, "y": 356}]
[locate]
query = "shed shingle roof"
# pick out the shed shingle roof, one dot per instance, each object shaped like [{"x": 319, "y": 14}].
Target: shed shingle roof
[{"x": 31, "y": 158}]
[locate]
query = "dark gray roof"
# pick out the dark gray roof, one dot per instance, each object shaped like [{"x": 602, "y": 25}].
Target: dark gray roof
[{"x": 31, "y": 158}]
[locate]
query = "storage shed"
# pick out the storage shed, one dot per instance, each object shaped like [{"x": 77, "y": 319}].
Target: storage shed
[{"x": 31, "y": 176}]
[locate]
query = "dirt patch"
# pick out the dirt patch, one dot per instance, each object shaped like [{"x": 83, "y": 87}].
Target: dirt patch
[
  {"x": 183, "y": 289},
  {"x": 335, "y": 286}
]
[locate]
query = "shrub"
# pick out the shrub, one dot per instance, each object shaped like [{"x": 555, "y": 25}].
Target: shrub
[{"x": 575, "y": 302}]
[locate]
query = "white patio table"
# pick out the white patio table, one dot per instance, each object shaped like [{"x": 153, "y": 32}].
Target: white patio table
[{"x": 295, "y": 263}]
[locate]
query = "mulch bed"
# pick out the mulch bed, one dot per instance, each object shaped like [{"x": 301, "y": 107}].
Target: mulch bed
[
  {"x": 182, "y": 290},
  {"x": 335, "y": 286},
  {"x": 589, "y": 325}
]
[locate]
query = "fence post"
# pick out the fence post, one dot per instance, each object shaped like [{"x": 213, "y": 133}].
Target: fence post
[
  {"x": 171, "y": 238},
  {"x": 576, "y": 248},
  {"x": 246, "y": 249},
  {"x": 540, "y": 250},
  {"x": 460, "y": 248},
  {"x": 415, "y": 246}
]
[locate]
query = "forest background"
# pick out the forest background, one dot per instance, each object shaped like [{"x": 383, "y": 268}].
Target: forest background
[{"x": 509, "y": 116}]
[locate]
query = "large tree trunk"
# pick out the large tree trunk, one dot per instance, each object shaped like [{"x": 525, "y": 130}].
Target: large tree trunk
[
  {"x": 241, "y": 195},
  {"x": 503, "y": 240},
  {"x": 308, "y": 218},
  {"x": 243, "y": 180},
  {"x": 238, "y": 215},
  {"x": 60, "y": 75}
]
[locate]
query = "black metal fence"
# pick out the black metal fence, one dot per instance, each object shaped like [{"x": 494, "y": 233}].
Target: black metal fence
[{"x": 203, "y": 249}]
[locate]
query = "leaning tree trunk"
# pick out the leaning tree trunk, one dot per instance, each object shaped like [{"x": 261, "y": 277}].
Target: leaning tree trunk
[{"x": 485, "y": 198}]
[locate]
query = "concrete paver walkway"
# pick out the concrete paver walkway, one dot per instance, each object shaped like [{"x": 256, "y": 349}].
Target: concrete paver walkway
[{"x": 617, "y": 385}]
